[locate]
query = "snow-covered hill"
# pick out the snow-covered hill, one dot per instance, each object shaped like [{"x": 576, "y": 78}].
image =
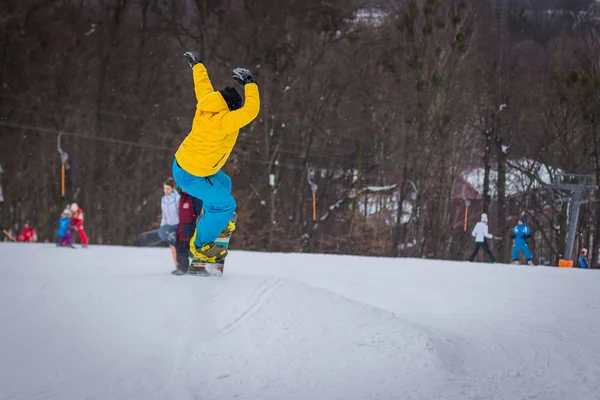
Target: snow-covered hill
[{"x": 112, "y": 323}]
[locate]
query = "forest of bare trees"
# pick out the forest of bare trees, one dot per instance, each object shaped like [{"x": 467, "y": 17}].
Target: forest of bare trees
[{"x": 382, "y": 107}]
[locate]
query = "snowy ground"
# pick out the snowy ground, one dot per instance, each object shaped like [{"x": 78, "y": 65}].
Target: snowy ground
[{"x": 112, "y": 323}]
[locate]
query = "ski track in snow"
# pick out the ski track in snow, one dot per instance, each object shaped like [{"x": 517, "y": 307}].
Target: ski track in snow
[{"x": 112, "y": 323}]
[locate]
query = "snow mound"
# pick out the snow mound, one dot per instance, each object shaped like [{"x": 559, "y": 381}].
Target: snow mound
[{"x": 112, "y": 323}]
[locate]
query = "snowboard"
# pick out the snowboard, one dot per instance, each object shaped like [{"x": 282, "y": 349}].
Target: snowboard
[
  {"x": 213, "y": 269},
  {"x": 149, "y": 238}
]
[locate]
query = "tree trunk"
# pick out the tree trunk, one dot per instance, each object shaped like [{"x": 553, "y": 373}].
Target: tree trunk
[
  {"x": 487, "y": 169},
  {"x": 501, "y": 225}
]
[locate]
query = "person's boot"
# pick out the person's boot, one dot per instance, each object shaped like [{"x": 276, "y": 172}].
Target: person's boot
[
  {"x": 178, "y": 272},
  {"x": 230, "y": 226},
  {"x": 530, "y": 262},
  {"x": 207, "y": 253}
]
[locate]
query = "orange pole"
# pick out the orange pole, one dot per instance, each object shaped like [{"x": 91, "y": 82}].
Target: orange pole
[
  {"x": 466, "y": 216},
  {"x": 314, "y": 207},
  {"x": 62, "y": 182}
]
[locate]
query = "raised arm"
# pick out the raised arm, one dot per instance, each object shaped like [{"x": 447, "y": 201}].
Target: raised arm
[
  {"x": 202, "y": 85},
  {"x": 234, "y": 120}
]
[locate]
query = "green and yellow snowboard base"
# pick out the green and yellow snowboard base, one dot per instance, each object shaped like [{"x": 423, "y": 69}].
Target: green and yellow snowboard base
[{"x": 211, "y": 269}]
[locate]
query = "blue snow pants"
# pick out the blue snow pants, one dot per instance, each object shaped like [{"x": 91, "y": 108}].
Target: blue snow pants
[
  {"x": 521, "y": 245},
  {"x": 219, "y": 204}
]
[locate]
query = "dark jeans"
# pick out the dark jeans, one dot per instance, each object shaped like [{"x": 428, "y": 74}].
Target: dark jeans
[
  {"x": 182, "y": 248},
  {"x": 168, "y": 234},
  {"x": 486, "y": 247}
]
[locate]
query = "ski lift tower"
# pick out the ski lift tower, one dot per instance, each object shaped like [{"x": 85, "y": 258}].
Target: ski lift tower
[{"x": 582, "y": 191}]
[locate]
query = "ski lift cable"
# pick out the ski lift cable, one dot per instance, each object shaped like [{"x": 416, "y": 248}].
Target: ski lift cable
[{"x": 137, "y": 144}]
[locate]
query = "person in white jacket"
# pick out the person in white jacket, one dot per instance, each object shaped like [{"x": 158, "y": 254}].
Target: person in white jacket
[
  {"x": 481, "y": 234},
  {"x": 170, "y": 213}
]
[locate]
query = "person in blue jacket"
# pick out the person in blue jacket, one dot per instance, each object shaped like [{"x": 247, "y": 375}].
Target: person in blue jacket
[
  {"x": 583, "y": 259},
  {"x": 64, "y": 235},
  {"x": 521, "y": 233}
]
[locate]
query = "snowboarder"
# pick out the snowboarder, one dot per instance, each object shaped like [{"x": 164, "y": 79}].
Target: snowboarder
[
  {"x": 521, "y": 233},
  {"x": 199, "y": 159},
  {"x": 65, "y": 238},
  {"x": 190, "y": 209},
  {"x": 28, "y": 235},
  {"x": 481, "y": 234},
  {"x": 77, "y": 223},
  {"x": 583, "y": 259},
  {"x": 170, "y": 216}
]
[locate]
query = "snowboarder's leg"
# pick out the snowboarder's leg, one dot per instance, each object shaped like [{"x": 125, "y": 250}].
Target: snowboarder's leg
[
  {"x": 218, "y": 207},
  {"x": 218, "y": 203},
  {"x": 223, "y": 179},
  {"x": 218, "y": 210},
  {"x": 477, "y": 246},
  {"x": 486, "y": 247}
]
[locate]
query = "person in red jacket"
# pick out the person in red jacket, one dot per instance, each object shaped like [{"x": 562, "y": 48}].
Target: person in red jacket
[
  {"x": 190, "y": 209},
  {"x": 77, "y": 223},
  {"x": 28, "y": 235}
]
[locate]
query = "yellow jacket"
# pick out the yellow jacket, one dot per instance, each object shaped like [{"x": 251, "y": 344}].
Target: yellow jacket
[{"x": 215, "y": 129}]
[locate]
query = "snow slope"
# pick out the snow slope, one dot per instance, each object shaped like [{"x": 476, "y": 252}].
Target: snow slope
[{"x": 112, "y": 323}]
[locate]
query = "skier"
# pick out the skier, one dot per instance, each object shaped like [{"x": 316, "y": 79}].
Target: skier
[
  {"x": 65, "y": 238},
  {"x": 170, "y": 215},
  {"x": 521, "y": 233},
  {"x": 481, "y": 234},
  {"x": 583, "y": 259},
  {"x": 198, "y": 161},
  {"x": 28, "y": 235},
  {"x": 77, "y": 223},
  {"x": 190, "y": 208}
]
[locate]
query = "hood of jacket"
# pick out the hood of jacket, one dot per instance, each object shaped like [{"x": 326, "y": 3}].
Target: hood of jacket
[{"x": 213, "y": 102}]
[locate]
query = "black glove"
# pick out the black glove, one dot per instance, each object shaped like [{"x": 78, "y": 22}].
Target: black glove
[
  {"x": 192, "y": 58},
  {"x": 242, "y": 76}
]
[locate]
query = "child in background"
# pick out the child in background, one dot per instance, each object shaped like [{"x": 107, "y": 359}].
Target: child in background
[
  {"x": 169, "y": 205},
  {"x": 28, "y": 235},
  {"x": 583, "y": 260},
  {"x": 190, "y": 208},
  {"x": 64, "y": 233},
  {"x": 77, "y": 223}
]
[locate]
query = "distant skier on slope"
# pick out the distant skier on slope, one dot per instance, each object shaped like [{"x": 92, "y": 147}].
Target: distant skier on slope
[
  {"x": 583, "y": 259},
  {"x": 481, "y": 234},
  {"x": 65, "y": 238},
  {"x": 521, "y": 233},
  {"x": 199, "y": 159},
  {"x": 28, "y": 235},
  {"x": 77, "y": 223}
]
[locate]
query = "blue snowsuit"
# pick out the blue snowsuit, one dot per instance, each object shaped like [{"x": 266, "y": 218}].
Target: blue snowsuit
[
  {"x": 583, "y": 262},
  {"x": 521, "y": 233},
  {"x": 63, "y": 225},
  {"x": 215, "y": 193}
]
